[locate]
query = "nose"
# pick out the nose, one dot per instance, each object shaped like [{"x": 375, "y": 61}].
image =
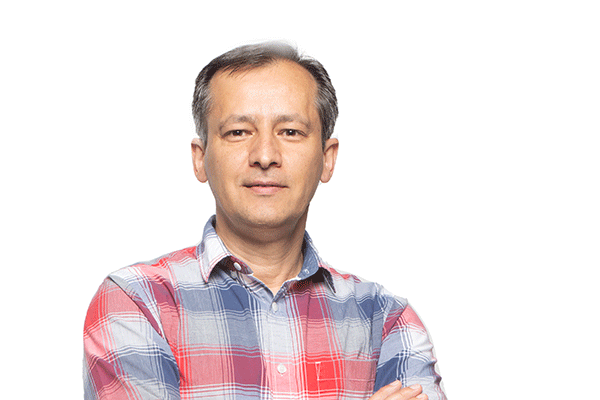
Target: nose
[{"x": 265, "y": 151}]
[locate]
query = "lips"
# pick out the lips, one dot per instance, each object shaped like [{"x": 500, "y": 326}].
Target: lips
[{"x": 264, "y": 187}]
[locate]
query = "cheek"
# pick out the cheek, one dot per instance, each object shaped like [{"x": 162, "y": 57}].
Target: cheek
[
  {"x": 217, "y": 163},
  {"x": 224, "y": 172},
  {"x": 215, "y": 172},
  {"x": 311, "y": 168},
  {"x": 210, "y": 168},
  {"x": 317, "y": 165}
]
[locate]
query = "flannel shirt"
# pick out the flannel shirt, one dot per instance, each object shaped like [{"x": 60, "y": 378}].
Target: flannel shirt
[{"x": 196, "y": 324}]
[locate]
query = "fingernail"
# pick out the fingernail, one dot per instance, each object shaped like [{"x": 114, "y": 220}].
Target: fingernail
[
  {"x": 415, "y": 386},
  {"x": 421, "y": 396},
  {"x": 397, "y": 383}
]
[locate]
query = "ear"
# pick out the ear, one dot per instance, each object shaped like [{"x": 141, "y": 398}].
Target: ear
[
  {"x": 198, "y": 159},
  {"x": 329, "y": 157}
]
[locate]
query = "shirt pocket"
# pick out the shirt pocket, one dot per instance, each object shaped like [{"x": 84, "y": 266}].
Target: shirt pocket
[
  {"x": 330, "y": 379},
  {"x": 325, "y": 377},
  {"x": 359, "y": 376}
]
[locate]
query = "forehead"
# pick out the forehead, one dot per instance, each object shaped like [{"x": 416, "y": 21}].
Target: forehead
[
  {"x": 284, "y": 69},
  {"x": 281, "y": 83}
]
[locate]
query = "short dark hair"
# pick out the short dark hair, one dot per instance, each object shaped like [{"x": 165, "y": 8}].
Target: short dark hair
[{"x": 255, "y": 56}]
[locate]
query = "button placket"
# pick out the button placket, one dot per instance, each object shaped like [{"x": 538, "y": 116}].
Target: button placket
[{"x": 280, "y": 346}]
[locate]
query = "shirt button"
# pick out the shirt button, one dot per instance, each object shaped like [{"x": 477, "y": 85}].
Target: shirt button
[
  {"x": 237, "y": 266},
  {"x": 281, "y": 369},
  {"x": 274, "y": 307}
]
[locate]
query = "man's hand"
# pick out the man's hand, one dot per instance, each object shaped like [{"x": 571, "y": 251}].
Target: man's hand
[{"x": 395, "y": 391}]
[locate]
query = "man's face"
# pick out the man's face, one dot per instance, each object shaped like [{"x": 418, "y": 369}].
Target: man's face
[{"x": 264, "y": 156}]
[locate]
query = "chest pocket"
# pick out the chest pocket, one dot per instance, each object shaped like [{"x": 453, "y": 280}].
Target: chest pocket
[
  {"x": 331, "y": 378},
  {"x": 360, "y": 376},
  {"x": 325, "y": 377}
]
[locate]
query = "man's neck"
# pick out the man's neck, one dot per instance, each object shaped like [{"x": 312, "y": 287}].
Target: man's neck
[{"x": 274, "y": 254}]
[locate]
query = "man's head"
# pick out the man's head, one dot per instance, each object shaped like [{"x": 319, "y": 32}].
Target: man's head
[
  {"x": 262, "y": 151},
  {"x": 253, "y": 56}
]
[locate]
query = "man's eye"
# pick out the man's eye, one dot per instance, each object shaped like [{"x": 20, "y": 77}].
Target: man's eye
[
  {"x": 236, "y": 133},
  {"x": 290, "y": 132}
]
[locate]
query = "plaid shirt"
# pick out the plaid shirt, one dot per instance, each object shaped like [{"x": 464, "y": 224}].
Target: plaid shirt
[{"x": 195, "y": 324}]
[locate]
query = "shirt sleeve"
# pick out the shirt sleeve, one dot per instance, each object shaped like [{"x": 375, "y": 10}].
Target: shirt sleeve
[
  {"x": 407, "y": 354},
  {"x": 125, "y": 354}
]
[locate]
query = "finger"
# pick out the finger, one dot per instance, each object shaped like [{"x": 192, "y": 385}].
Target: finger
[
  {"x": 387, "y": 390},
  {"x": 413, "y": 392}
]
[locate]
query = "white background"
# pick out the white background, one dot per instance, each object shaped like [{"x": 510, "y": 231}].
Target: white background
[{"x": 467, "y": 181}]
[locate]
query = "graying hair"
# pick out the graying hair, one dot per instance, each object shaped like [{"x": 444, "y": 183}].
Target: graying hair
[{"x": 254, "y": 56}]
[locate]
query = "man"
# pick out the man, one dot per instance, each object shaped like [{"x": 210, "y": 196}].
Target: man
[{"x": 252, "y": 311}]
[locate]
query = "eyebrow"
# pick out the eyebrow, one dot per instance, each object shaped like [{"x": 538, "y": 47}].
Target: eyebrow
[
  {"x": 293, "y": 118},
  {"x": 237, "y": 118},
  {"x": 243, "y": 118}
]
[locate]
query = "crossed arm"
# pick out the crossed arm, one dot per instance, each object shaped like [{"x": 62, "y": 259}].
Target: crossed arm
[{"x": 395, "y": 391}]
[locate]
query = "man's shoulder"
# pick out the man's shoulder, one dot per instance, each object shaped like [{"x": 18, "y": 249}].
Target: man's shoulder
[
  {"x": 176, "y": 266},
  {"x": 147, "y": 288},
  {"x": 348, "y": 285}
]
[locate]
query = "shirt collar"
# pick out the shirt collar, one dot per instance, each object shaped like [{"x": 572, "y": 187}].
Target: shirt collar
[{"x": 211, "y": 251}]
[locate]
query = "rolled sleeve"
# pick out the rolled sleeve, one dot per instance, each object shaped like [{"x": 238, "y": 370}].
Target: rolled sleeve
[
  {"x": 125, "y": 355},
  {"x": 407, "y": 354}
]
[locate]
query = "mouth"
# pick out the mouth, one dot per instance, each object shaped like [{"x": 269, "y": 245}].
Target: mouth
[{"x": 264, "y": 187}]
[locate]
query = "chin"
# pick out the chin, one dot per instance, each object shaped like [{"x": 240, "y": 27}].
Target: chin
[
  {"x": 267, "y": 221},
  {"x": 272, "y": 219}
]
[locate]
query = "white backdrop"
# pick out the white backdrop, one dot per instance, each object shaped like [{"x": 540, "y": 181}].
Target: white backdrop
[{"x": 467, "y": 181}]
